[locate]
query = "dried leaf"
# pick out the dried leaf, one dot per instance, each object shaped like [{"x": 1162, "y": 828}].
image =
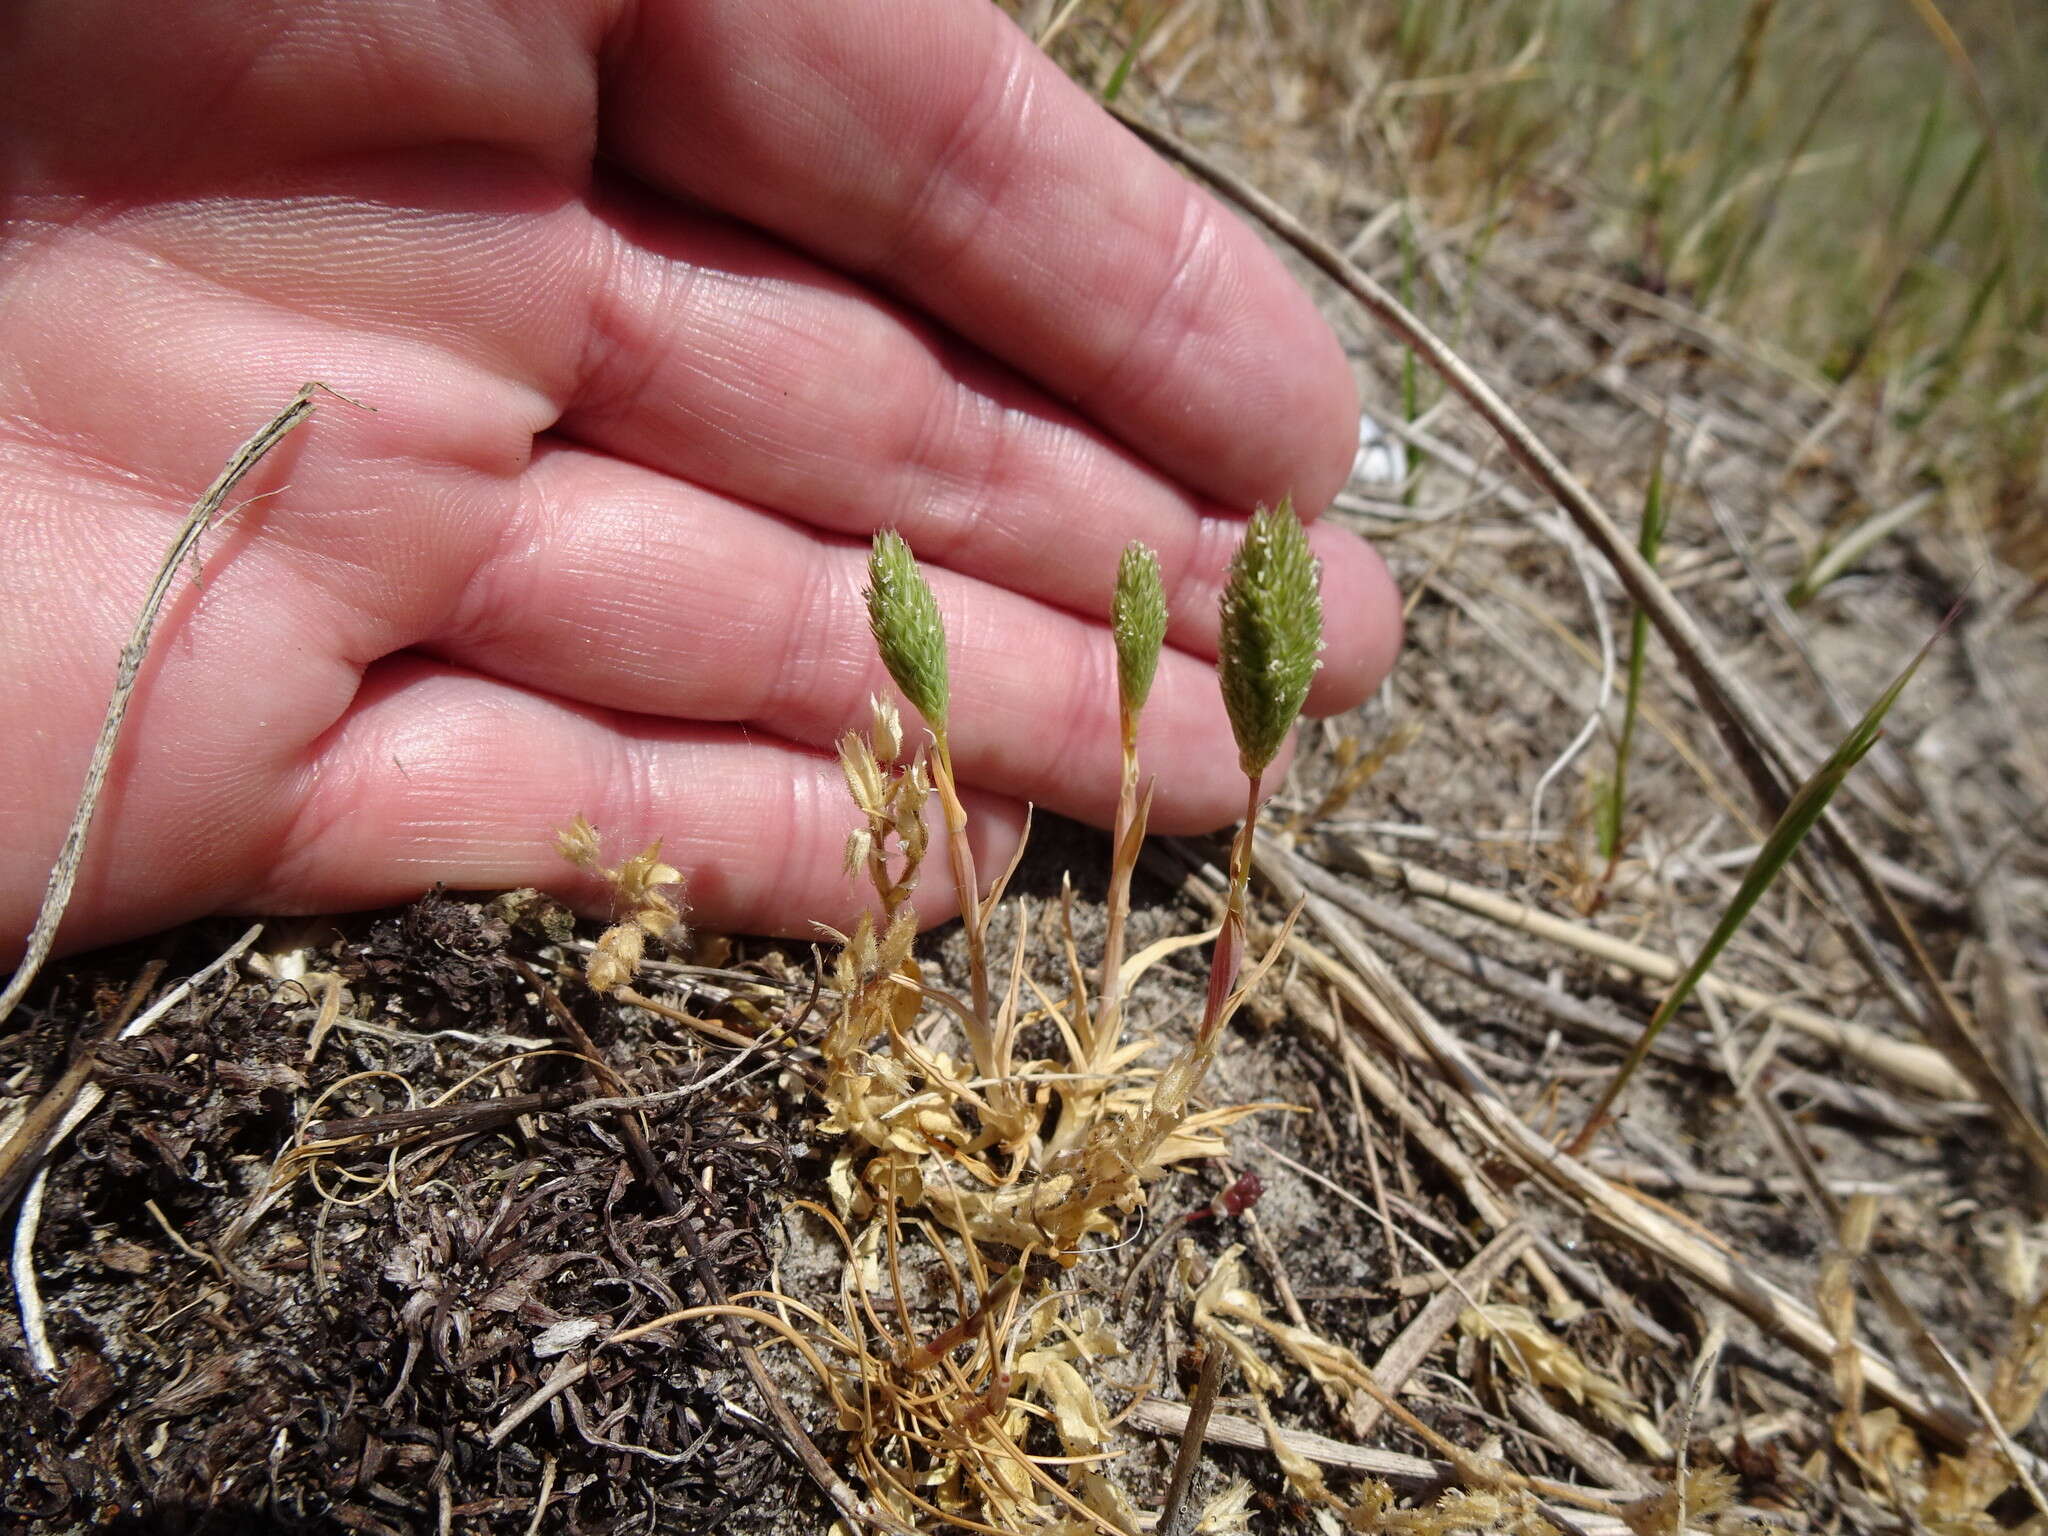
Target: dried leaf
[
  {"x": 560, "y": 1338},
  {"x": 1533, "y": 1352}
]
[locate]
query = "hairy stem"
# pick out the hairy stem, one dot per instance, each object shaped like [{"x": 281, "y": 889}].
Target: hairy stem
[
  {"x": 980, "y": 1033},
  {"x": 1227, "y": 960},
  {"x": 1126, "y": 838}
]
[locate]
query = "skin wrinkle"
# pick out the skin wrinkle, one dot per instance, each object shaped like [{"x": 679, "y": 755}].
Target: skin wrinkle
[
  {"x": 492, "y": 451},
  {"x": 742, "y": 324},
  {"x": 310, "y": 806},
  {"x": 798, "y": 481},
  {"x": 934, "y": 457},
  {"x": 1094, "y": 690},
  {"x": 938, "y": 522},
  {"x": 460, "y": 731},
  {"x": 934, "y": 237},
  {"x": 986, "y": 300},
  {"x": 825, "y": 608},
  {"x": 1138, "y": 368},
  {"x": 1007, "y": 471},
  {"x": 277, "y": 229},
  {"x": 962, "y": 490},
  {"x": 954, "y": 413},
  {"x": 1188, "y": 591},
  {"x": 428, "y": 263},
  {"x": 599, "y": 382},
  {"x": 32, "y": 423},
  {"x": 804, "y": 814},
  {"x": 489, "y": 87},
  {"x": 812, "y": 710}
]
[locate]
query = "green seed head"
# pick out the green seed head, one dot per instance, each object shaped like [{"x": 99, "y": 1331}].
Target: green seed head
[
  {"x": 1138, "y": 621},
  {"x": 1272, "y": 630},
  {"x": 905, "y": 619}
]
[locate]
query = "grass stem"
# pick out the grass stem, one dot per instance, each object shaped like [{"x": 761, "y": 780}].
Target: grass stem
[
  {"x": 973, "y": 918},
  {"x": 1608, "y": 821}
]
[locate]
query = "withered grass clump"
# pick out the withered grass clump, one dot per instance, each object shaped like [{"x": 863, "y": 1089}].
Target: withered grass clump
[
  {"x": 962, "y": 1159},
  {"x": 640, "y": 891}
]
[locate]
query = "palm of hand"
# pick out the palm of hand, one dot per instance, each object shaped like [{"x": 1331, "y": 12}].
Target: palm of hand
[{"x": 662, "y": 311}]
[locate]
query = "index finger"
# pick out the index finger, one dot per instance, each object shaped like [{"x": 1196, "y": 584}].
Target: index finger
[{"x": 928, "y": 146}]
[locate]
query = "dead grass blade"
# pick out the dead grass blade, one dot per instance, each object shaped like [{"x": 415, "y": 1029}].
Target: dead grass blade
[
  {"x": 57, "y": 896},
  {"x": 1915, "y": 1066},
  {"x": 1409, "y": 1028}
]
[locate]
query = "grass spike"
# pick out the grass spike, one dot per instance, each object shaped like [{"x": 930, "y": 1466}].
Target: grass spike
[
  {"x": 1138, "y": 623},
  {"x": 904, "y": 616},
  {"x": 1271, "y": 633}
]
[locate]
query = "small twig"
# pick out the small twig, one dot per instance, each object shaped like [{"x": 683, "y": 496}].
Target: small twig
[
  {"x": 27, "y": 1295},
  {"x": 1367, "y": 1140},
  {"x": 1411, "y": 1346},
  {"x": 64, "y": 874},
  {"x": 38, "y": 1128},
  {"x": 540, "y": 1500},
  {"x": 25, "y": 1153},
  {"x": 1410, "y": 1474},
  {"x": 1603, "y": 1023},
  {"x": 564, "y": 1376},
  {"x": 1904, "y": 1061},
  {"x": 1398, "y": 1015},
  {"x": 468, "y": 1119},
  {"x": 707, "y": 1027},
  {"x": 182, "y": 1243},
  {"x": 1148, "y": 1256},
  {"x": 1579, "y": 1445},
  {"x": 1678, "y": 1178},
  {"x": 1176, "y": 1515},
  {"x": 2022, "y": 1465},
  {"x": 465, "y": 1119},
  {"x": 1269, "y": 1256}
]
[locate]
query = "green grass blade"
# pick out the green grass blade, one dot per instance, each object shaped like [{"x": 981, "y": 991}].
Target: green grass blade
[
  {"x": 1648, "y": 542},
  {"x": 1128, "y": 61},
  {"x": 1792, "y": 826}
]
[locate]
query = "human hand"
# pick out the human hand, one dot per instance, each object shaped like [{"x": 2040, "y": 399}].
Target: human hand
[{"x": 664, "y": 309}]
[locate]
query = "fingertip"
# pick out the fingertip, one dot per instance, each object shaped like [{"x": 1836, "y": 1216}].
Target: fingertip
[
  {"x": 1318, "y": 401},
  {"x": 1362, "y": 624}
]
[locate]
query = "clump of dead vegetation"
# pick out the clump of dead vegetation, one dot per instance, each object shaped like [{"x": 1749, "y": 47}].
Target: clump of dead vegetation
[
  {"x": 956, "y": 1155},
  {"x": 1001, "y": 1170}
]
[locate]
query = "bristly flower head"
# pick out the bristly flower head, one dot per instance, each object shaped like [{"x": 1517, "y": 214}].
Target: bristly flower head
[
  {"x": 905, "y": 619},
  {"x": 1138, "y": 621},
  {"x": 1272, "y": 629}
]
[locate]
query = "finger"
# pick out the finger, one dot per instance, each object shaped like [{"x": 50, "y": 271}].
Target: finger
[
  {"x": 930, "y": 148},
  {"x": 799, "y": 391},
  {"x": 92, "y": 100},
  {"x": 440, "y": 775},
  {"x": 704, "y": 351},
  {"x": 626, "y": 589}
]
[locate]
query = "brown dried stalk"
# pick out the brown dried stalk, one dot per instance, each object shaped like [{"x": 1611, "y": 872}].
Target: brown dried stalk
[{"x": 64, "y": 874}]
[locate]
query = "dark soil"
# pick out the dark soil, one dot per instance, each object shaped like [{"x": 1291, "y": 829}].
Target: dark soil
[{"x": 342, "y": 1367}]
